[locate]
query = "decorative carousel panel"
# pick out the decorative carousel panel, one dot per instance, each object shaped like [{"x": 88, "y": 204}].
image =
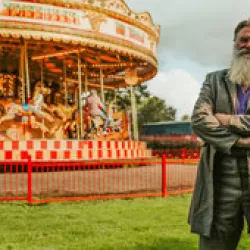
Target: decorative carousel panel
[
  {"x": 77, "y": 22},
  {"x": 7, "y": 85},
  {"x": 113, "y": 8}
]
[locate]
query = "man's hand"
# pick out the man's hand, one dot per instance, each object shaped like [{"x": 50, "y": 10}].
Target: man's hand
[
  {"x": 223, "y": 119},
  {"x": 243, "y": 143}
]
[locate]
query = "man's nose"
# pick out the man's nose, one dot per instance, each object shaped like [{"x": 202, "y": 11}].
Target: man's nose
[{"x": 247, "y": 44}]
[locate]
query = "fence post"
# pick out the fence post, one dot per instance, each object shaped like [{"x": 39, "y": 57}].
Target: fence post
[
  {"x": 164, "y": 176},
  {"x": 29, "y": 180},
  {"x": 183, "y": 156}
]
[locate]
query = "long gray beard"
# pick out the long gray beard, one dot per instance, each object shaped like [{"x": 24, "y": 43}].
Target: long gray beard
[{"x": 240, "y": 69}]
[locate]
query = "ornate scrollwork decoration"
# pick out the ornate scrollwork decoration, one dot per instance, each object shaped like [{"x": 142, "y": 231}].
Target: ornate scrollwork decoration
[{"x": 95, "y": 19}]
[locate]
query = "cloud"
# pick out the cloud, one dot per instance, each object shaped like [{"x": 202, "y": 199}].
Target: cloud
[
  {"x": 196, "y": 38},
  {"x": 198, "y": 29},
  {"x": 178, "y": 82},
  {"x": 175, "y": 86}
]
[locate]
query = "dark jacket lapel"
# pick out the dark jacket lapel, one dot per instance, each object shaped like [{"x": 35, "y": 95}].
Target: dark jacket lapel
[{"x": 232, "y": 91}]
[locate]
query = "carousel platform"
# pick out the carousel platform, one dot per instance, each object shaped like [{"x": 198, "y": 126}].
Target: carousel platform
[{"x": 72, "y": 150}]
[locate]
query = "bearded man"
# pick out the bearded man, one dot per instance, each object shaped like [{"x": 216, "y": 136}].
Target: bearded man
[{"x": 221, "y": 117}]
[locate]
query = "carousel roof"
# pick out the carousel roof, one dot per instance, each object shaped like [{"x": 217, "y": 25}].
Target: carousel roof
[
  {"x": 106, "y": 34},
  {"x": 116, "y": 8}
]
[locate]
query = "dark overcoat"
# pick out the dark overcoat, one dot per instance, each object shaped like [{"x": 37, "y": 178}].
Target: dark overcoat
[{"x": 218, "y": 95}]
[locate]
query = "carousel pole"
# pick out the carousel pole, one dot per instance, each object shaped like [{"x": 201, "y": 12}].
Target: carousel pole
[
  {"x": 102, "y": 85},
  {"x": 77, "y": 106},
  {"x": 22, "y": 78},
  {"x": 27, "y": 70},
  {"x": 131, "y": 79},
  {"x": 115, "y": 100},
  {"x": 64, "y": 83},
  {"x": 75, "y": 95},
  {"x": 86, "y": 80},
  {"x": 42, "y": 82},
  {"x": 134, "y": 114},
  {"x": 80, "y": 93},
  {"x": 42, "y": 72},
  {"x": 22, "y": 73}
]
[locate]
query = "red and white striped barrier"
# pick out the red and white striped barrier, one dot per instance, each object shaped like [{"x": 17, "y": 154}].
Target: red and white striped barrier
[{"x": 56, "y": 150}]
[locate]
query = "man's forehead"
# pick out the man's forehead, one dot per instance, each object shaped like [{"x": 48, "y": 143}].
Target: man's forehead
[{"x": 244, "y": 31}]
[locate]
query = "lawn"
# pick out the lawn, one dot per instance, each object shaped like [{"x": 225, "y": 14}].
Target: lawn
[{"x": 150, "y": 223}]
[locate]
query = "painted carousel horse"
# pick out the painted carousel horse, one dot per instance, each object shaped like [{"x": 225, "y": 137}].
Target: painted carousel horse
[
  {"x": 12, "y": 110},
  {"x": 37, "y": 104},
  {"x": 70, "y": 114},
  {"x": 74, "y": 125},
  {"x": 60, "y": 119},
  {"x": 20, "y": 114}
]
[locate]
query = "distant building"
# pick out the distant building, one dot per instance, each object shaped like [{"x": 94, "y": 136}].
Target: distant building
[{"x": 170, "y": 135}]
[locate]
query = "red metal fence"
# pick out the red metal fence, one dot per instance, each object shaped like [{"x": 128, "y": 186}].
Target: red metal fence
[{"x": 39, "y": 182}]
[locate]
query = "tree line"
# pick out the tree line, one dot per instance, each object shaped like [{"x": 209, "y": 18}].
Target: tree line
[{"x": 149, "y": 108}]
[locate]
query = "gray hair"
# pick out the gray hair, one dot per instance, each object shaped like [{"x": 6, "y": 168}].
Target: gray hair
[{"x": 240, "y": 26}]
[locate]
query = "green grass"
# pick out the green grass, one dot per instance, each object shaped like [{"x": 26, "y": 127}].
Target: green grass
[{"x": 150, "y": 223}]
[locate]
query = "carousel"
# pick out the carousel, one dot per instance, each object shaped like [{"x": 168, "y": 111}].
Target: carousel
[{"x": 59, "y": 60}]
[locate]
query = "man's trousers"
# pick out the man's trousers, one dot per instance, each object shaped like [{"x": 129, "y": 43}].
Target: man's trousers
[{"x": 231, "y": 202}]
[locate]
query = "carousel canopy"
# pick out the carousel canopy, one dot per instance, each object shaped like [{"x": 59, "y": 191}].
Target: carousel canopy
[{"x": 105, "y": 33}]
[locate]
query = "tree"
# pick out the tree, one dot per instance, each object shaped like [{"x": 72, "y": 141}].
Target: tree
[
  {"x": 186, "y": 118},
  {"x": 154, "y": 109},
  {"x": 123, "y": 96},
  {"x": 149, "y": 108}
]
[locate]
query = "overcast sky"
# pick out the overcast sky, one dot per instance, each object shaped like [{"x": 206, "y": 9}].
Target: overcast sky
[{"x": 196, "y": 38}]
